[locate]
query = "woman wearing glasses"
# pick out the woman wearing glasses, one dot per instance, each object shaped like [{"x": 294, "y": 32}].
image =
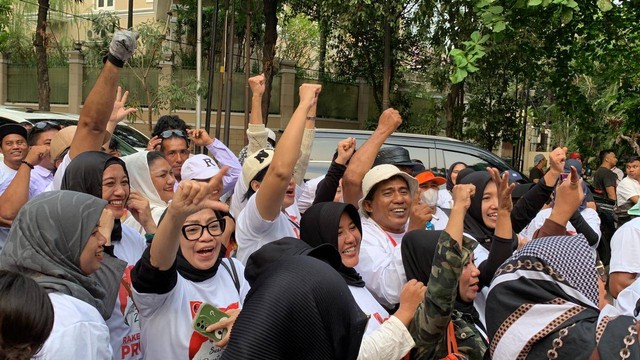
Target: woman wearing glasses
[{"x": 184, "y": 269}]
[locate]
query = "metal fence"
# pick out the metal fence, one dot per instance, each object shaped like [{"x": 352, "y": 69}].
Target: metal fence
[{"x": 22, "y": 84}]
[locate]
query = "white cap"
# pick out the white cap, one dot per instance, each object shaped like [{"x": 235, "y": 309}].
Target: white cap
[
  {"x": 380, "y": 173},
  {"x": 254, "y": 163},
  {"x": 199, "y": 167},
  {"x": 271, "y": 135}
]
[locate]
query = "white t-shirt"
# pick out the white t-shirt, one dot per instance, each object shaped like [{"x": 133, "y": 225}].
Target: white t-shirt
[
  {"x": 445, "y": 200},
  {"x": 380, "y": 263},
  {"x": 124, "y": 324},
  {"x": 308, "y": 193},
  {"x": 625, "y": 248},
  {"x": 442, "y": 221},
  {"x": 589, "y": 215},
  {"x": 480, "y": 255},
  {"x": 368, "y": 304},
  {"x": 79, "y": 332},
  {"x": 57, "y": 177},
  {"x": 167, "y": 319},
  {"x": 252, "y": 231},
  {"x": 6, "y": 172},
  {"x": 627, "y": 188},
  {"x": 627, "y": 300}
]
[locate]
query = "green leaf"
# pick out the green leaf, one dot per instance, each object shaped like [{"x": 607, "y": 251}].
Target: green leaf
[
  {"x": 535, "y": 2},
  {"x": 497, "y": 9},
  {"x": 470, "y": 68},
  {"x": 475, "y": 36},
  {"x": 572, "y": 4},
  {"x": 484, "y": 39},
  {"x": 460, "y": 61},
  {"x": 456, "y": 52},
  {"x": 499, "y": 26},
  {"x": 482, "y": 3},
  {"x": 458, "y": 76},
  {"x": 567, "y": 15},
  {"x": 605, "y": 5},
  {"x": 546, "y": 3}
]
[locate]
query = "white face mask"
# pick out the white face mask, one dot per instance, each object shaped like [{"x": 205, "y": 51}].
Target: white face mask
[{"x": 429, "y": 197}]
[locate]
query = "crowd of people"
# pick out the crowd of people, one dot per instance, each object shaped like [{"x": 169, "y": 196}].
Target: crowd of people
[{"x": 164, "y": 254}]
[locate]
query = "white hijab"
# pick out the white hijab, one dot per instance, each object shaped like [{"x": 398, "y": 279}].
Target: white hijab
[{"x": 140, "y": 181}]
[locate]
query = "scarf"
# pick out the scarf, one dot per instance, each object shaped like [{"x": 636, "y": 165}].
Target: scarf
[
  {"x": 84, "y": 174},
  {"x": 449, "y": 171},
  {"x": 320, "y": 225},
  {"x": 47, "y": 238},
  {"x": 547, "y": 291},
  {"x": 141, "y": 179},
  {"x": 298, "y": 308}
]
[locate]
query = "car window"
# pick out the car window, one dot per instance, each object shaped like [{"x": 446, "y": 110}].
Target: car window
[
  {"x": 472, "y": 161},
  {"x": 131, "y": 136}
]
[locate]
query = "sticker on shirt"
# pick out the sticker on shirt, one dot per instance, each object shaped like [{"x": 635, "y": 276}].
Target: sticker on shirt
[
  {"x": 130, "y": 343},
  {"x": 379, "y": 317},
  {"x": 200, "y": 346}
]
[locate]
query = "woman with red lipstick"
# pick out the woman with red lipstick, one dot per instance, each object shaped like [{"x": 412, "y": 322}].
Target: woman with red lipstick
[
  {"x": 105, "y": 177},
  {"x": 446, "y": 264},
  {"x": 61, "y": 239},
  {"x": 184, "y": 268}
]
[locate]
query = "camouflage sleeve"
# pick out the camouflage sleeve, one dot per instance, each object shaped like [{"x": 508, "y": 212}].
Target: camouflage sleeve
[{"x": 429, "y": 325}]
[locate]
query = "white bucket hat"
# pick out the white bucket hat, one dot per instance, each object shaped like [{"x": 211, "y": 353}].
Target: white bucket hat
[{"x": 380, "y": 173}]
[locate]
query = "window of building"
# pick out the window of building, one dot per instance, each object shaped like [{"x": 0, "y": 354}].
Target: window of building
[{"x": 104, "y": 4}]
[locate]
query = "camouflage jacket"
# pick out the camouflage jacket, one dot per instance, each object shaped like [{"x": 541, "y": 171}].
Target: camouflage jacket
[{"x": 429, "y": 325}]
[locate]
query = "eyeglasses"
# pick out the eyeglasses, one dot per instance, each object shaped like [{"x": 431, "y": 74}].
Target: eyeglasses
[
  {"x": 169, "y": 133},
  {"x": 194, "y": 232}
]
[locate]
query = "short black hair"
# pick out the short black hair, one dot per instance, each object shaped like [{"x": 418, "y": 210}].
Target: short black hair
[
  {"x": 113, "y": 144},
  {"x": 633, "y": 158},
  {"x": 169, "y": 122},
  {"x": 603, "y": 154},
  {"x": 26, "y": 316}
]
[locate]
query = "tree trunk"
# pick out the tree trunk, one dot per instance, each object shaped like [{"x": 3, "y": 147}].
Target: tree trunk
[
  {"x": 44, "y": 91},
  {"x": 454, "y": 110},
  {"x": 386, "y": 67},
  {"x": 270, "y": 8},
  {"x": 324, "y": 34}
]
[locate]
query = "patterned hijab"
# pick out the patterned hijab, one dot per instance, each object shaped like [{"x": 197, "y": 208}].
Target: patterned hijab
[
  {"x": 46, "y": 240},
  {"x": 320, "y": 225},
  {"x": 547, "y": 291}
]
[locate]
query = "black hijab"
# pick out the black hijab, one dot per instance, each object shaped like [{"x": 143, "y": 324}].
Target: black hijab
[
  {"x": 186, "y": 270},
  {"x": 298, "y": 308},
  {"x": 473, "y": 223},
  {"x": 320, "y": 225},
  {"x": 449, "y": 180},
  {"x": 286, "y": 247},
  {"x": 84, "y": 174}
]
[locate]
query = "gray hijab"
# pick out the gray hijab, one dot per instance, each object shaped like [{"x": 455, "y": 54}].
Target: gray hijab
[{"x": 46, "y": 240}]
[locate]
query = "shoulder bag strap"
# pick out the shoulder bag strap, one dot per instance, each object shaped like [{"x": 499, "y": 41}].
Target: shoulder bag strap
[{"x": 233, "y": 273}]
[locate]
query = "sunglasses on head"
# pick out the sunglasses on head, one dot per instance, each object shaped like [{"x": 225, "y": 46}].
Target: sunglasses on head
[
  {"x": 170, "y": 133},
  {"x": 45, "y": 125}
]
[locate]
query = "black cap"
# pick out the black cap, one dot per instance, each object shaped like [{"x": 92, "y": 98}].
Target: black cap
[
  {"x": 398, "y": 156},
  {"x": 9, "y": 129}
]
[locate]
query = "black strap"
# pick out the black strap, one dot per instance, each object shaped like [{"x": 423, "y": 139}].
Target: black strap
[{"x": 233, "y": 273}]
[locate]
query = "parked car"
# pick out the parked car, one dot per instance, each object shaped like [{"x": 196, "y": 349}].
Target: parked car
[
  {"x": 437, "y": 153},
  {"x": 129, "y": 139}
]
